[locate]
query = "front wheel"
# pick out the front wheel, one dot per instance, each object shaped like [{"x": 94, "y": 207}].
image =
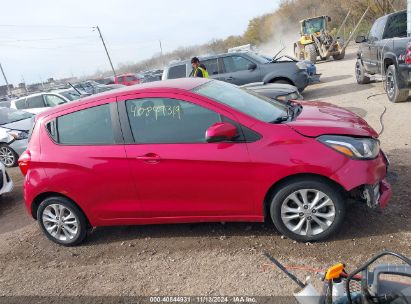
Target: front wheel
[
  {"x": 310, "y": 53},
  {"x": 308, "y": 210},
  {"x": 62, "y": 221},
  {"x": 360, "y": 73}
]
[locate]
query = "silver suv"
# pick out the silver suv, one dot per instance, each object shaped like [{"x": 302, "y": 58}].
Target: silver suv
[{"x": 242, "y": 68}]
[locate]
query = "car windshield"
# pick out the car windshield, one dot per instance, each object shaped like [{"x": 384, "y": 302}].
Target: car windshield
[
  {"x": 8, "y": 115},
  {"x": 243, "y": 100}
]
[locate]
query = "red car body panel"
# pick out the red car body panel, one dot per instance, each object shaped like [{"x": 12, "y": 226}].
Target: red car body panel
[{"x": 168, "y": 183}]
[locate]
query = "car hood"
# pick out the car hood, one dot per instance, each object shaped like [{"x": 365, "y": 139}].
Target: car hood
[
  {"x": 320, "y": 118},
  {"x": 21, "y": 125}
]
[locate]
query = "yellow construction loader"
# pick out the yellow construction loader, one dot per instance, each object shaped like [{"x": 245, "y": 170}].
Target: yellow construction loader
[{"x": 316, "y": 41}]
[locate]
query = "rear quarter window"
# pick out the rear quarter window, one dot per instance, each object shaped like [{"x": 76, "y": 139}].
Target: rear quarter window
[{"x": 177, "y": 71}]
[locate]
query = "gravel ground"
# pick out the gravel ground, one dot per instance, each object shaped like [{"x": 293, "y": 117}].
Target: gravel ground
[{"x": 214, "y": 259}]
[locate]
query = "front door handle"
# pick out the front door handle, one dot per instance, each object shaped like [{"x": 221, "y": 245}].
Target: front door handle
[
  {"x": 230, "y": 78},
  {"x": 150, "y": 158}
]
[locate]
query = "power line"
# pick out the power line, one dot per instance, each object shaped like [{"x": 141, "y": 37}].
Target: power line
[
  {"x": 55, "y": 26},
  {"x": 46, "y": 39}
]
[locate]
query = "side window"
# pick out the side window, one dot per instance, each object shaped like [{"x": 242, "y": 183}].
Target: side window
[
  {"x": 164, "y": 120},
  {"x": 20, "y": 104},
  {"x": 211, "y": 66},
  {"x": 235, "y": 64},
  {"x": 376, "y": 30},
  {"x": 120, "y": 79},
  {"x": 177, "y": 71},
  {"x": 396, "y": 26},
  {"x": 35, "y": 102},
  {"x": 90, "y": 126},
  {"x": 53, "y": 100},
  {"x": 130, "y": 78}
]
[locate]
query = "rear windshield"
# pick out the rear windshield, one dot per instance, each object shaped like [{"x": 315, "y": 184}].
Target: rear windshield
[{"x": 8, "y": 115}]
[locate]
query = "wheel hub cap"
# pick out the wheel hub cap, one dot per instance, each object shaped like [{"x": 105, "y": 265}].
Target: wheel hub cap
[
  {"x": 60, "y": 222},
  {"x": 6, "y": 156},
  {"x": 308, "y": 212}
]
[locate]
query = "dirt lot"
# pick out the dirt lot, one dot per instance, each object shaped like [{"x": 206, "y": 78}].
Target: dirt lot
[{"x": 214, "y": 259}]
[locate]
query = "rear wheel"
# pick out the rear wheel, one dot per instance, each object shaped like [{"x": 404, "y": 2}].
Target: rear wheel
[
  {"x": 62, "y": 221},
  {"x": 339, "y": 56},
  {"x": 7, "y": 156},
  {"x": 393, "y": 92},
  {"x": 307, "y": 210},
  {"x": 310, "y": 53},
  {"x": 360, "y": 73},
  {"x": 297, "y": 52}
]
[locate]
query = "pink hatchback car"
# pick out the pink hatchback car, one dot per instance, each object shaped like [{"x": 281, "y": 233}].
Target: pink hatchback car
[{"x": 199, "y": 150}]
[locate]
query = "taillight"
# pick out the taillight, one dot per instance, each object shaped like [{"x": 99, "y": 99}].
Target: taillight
[
  {"x": 24, "y": 162},
  {"x": 407, "y": 57}
]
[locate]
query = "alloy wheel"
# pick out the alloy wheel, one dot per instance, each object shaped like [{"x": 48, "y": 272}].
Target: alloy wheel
[
  {"x": 390, "y": 84},
  {"x": 308, "y": 212},
  {"x": 60, "y": 222},
  {"x": 357, "y": 70},
  {"x": 7, "y": 156}
]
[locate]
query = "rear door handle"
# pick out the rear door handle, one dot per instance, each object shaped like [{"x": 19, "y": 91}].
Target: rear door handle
[{"x": 150, "y": 158}]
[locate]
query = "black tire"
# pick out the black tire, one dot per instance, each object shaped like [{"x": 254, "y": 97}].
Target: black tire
[
  {"x": 339, "y": 56},
  {"x": 310, "y": 53},
  {"x": 297, "y": 52},
  {"x": 360, "y": 73},
  {"x": 336, "y": 208},
  {"x": 12, "y": 157},
  {"x": 81, "y": 221},
  {"x": 391, "y": 81}
]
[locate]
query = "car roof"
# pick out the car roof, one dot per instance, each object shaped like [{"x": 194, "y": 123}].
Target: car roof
[
  {"x": 183, "y": 84},
  {"x": 206, "y": 57}
]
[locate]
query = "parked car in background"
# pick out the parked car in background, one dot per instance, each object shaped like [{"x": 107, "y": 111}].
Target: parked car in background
[
  {"x": 6, "y": 184},
  {"x": 386, "y": 51},
  {"x": 14, "y": 130},
  {"x": 199, "y": 150},
  {"x": 127, "y": 79},
  {"x": 243, "y": 68},
  {"x": 40, "y": 101},
  {"x": 150, "y": 76},
  {"x": 277, "y": 91}
]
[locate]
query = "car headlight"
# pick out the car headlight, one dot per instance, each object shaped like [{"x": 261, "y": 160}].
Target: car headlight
[
  {"x": 291, "y": 96},
  {"x": 356, "y": 148},
  {"x": 301, "y": 65},
  {"x": 18, "y": 134}
]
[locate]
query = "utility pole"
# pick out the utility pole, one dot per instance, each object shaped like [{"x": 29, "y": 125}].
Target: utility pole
[
  {"x": 105, "y": 48},
  {"x": 161, "y": 52},
  {"x": 5, "y": 79}
]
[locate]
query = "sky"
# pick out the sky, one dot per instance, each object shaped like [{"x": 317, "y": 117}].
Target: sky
[{"x": 55, "y": 38}]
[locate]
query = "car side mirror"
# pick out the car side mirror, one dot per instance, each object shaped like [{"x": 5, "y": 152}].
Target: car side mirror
[
  {"x": 360, "y": 39},
  {"x": 252, "y": 66},
  {"x": 220, "y": 131}
]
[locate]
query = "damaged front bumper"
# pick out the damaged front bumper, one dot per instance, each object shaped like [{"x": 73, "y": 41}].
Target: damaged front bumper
[{"x": 376, "y": 196}]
